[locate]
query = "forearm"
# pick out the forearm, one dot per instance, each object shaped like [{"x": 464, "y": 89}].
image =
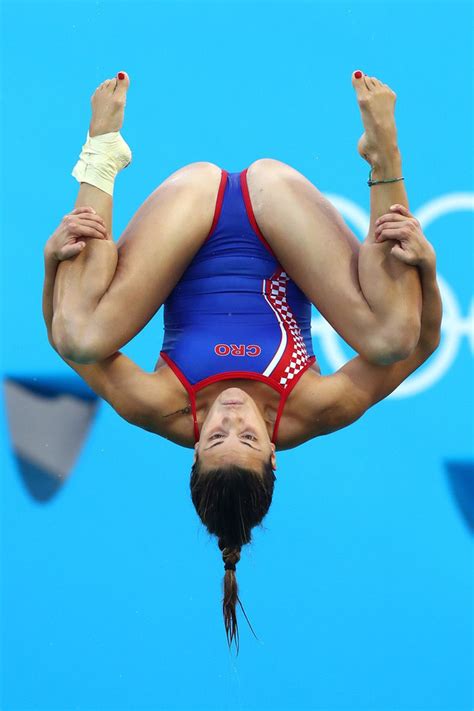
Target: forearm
[
  {"x": 362, "y": 384},
  {"x": 50, "y": 270},
  {"x": 388, "y": 283},
  {"x": 111, "y": 378},
  {"x": 432, "y": 312},
  {"x": 127, "y": 388},
  {"x": 92, "y": 374}
]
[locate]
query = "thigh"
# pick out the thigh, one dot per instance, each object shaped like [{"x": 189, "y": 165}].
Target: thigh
[
  {"x": 154, "y": 250},
  {"x": 312, "y": 242}
]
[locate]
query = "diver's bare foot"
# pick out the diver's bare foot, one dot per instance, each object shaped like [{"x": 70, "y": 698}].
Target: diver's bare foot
[
  {"x": 108, "y": 105},
  {"x": 378, "y": 144}
]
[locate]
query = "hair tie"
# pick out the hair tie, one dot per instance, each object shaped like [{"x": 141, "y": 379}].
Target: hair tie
[{"x": 229, "y": 566}]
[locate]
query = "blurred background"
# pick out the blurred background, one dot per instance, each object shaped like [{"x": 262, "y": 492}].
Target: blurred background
[{"x": 359, "y": 585}]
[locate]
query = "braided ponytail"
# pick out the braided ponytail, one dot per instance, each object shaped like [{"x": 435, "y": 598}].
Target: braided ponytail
[
  {"x": 230, "y": 501},
  {"x": 231, "y": 557}
]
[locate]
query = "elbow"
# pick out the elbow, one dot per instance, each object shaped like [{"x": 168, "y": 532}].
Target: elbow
[
  {"x": 49, "y": 332},
  {"x": 394, "y": 345},
  {"x": 430, "y": 344},
  {"x": 52, "y": 343},
  {"x": 73, "y": 341}
]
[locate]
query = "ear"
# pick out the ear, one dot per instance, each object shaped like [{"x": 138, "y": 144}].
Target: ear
[
  {"x": 274, "y": 461},
  {"x": 196, "y": 446}
]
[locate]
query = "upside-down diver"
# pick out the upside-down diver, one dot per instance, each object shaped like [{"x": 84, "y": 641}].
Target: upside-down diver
[{"x": 237, "y": 259}]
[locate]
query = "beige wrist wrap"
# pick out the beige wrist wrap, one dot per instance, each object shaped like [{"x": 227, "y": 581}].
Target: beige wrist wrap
[{"x": 102, "y": 157}]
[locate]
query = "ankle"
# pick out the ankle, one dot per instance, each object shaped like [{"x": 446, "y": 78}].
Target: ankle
[{"x": 387, "y": 164}]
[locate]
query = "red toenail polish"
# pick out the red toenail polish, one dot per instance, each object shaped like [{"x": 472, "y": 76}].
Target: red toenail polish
[
  {"x": 121, "y": 75},
  {"x": 357, "y": 75}
]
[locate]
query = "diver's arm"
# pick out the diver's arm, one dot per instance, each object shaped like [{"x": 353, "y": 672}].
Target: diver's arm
[
  {"x": 131, "y": 391},
  {"x": 359, "y": 385},
  {"x": 343, "y": 397},
  {"x": 371, "y": 383}
]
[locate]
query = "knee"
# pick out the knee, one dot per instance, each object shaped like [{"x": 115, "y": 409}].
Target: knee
[
  {"x": 73, "y": 341},
  {"x": 268, "y": 176},
  {"x": 270, "y": 168},
  {"x": 397, "y": 343},
  {"x": 197, "y": 172}
]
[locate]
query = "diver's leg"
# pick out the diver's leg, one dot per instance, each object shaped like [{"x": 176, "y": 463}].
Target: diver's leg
[
  {"x": 372, "y": 299},
  {"x": 106, "y": 294}
]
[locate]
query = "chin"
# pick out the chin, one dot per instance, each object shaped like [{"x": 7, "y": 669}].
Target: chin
[{"x": 237, "y": 390}]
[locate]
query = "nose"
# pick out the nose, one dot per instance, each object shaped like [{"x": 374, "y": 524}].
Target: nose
[{"x": 232, "y": 416}]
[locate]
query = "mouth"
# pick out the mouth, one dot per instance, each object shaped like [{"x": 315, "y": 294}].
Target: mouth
[{"x": 232, "y": 402}]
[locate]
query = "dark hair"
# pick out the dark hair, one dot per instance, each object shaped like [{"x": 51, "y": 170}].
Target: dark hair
[{"x": 230, "y": 501}]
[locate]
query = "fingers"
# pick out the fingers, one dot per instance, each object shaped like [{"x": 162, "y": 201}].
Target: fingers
[
  {"x": 86, "y": 223},
  {"x": 84, "y": 228},
  {"x": 77, "y": 210},
  {"x": 390, "y": 217},
  {"x": 389, "y": 232},
  {"x": 91, "y": 230},
  {"x": 88, "y": 213},
  {"x": 71, "y": 250},
  {"x": 397, "y": 224},
  {"x": 94, "y": 221},
  {"x": 400, "y": 254},
  {"x": 401, "y": 208},
  {"x": 391, "y": 227}
]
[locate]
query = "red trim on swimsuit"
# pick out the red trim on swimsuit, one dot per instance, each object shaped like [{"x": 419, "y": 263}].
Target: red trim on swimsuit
[
  {"x": 284, "y": 397},
  {"x": 229, "y": 375},
  {"x": 219, "y": 201},
  {"x": 189, "y": 389},
  {"x": 250, "y": 213}
]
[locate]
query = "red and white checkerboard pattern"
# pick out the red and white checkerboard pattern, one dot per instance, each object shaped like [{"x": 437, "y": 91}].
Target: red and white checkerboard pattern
[{"x": 276, "y": 295}]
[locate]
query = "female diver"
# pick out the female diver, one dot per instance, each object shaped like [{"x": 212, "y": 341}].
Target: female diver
[{"x": 237, "y": 259}]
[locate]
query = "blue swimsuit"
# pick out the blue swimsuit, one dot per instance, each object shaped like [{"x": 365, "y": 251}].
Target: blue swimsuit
[{"x": 235, "y": 313}]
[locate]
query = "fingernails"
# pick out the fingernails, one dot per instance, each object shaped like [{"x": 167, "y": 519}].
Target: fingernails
[
  {"x": 357, "y": 74},
  {"x": 121, "y": 75}
]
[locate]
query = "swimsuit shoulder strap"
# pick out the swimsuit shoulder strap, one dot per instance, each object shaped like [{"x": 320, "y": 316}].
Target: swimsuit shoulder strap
[{"x": 285, "y": 394}]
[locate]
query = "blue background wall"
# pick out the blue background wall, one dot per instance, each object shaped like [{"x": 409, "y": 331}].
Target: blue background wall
[{"x": 360, "y": 585}]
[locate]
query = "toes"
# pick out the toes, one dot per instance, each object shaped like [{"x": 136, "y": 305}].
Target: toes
[
  {"x": 123, "y": 84},
  {"x": 359, "y": 83},
  {"x": 104, "y": 85},
  {"x": 370, "y": 83}
]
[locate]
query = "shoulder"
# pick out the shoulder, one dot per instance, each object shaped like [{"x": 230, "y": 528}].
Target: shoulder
[
  {"x": 160, "y": 405},
  {"x": 319, "y": 405}
]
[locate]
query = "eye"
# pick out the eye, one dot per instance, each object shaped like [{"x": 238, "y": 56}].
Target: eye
[
  {"x": 249, "y": 436},
  {"x": 215, "y": 436}
]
